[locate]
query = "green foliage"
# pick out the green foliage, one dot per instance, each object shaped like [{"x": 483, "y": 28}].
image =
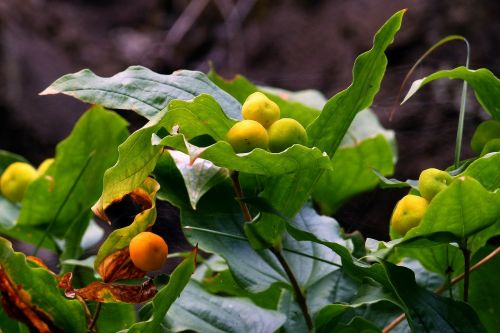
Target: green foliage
[{"x": 485, "y": 84}]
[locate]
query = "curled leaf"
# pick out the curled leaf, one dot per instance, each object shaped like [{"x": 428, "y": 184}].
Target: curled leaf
[
  {"x": 107, "y": 292},
  {"x": 118, "y": 266}
]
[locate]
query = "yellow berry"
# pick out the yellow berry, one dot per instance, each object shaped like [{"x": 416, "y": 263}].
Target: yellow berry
[
  {"x": 148, "y": 251},
  {"x": 15, "y": 180},
  {"x": 408, "y": 213},
  {"x": 260, "y": 108},
  {"x": 285, "y": 133},
  {"x": 247, "y": 135}
]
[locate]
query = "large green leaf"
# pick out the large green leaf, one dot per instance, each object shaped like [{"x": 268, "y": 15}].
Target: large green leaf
[
  {"x": 485, "y": 84},
  {"x": 141, "y": 90},
  {"x": 167, "y": 295},
  {"x": 80, "y": 160},
  {"x": 200, "y": 311},
  {"x": 383, "y": 281},
  {"x": 327, "y": 131},
  {"x": 486, "y": 171},
  {"x": 484, "y": 290},
  {"x": 36, "y": 288}
]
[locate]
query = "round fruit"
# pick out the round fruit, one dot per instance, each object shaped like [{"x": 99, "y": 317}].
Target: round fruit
[
  {"x": 285, "y": 133},
  {"x": 247, "y": 135},
  {"x": 261, "y": 109},
  {"x": 148, "y": 251},
  {"x": 432, "y": 181},
  {"x": 15, "y": 180},
  {"x": 44, "y": 166},
  {"x": 408, "y": 213},
  {"x": 486, "y": 131}
]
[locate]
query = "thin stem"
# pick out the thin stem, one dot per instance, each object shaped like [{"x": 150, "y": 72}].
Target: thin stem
[
  {"x": 63, "y": 203},
  {"x": 95, "y": 317},
  {"x": 455, "y": 280},
  {"x": 467, "y": 255},
  {"x": 239, "y": 195},
  {"x": 240, "y": 238},
  {"x": 299, "y": 296},
  {"x": 461, "y": 117}
]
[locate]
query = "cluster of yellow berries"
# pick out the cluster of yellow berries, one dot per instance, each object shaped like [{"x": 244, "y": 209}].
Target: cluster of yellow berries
[
  {"x": 410, "y": 210},
  {"x": 17, "y": 176},
  {"x": 263, "y": 128}
]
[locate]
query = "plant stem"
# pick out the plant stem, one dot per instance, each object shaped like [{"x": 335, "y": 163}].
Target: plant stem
[
  {"x": 455, "y": 280},
  {"x": 299, "y": 295},
  {"x": 94, "y": 318},
  {"x": 239, "y": 195},
  {"x": 467, "y": 255}
]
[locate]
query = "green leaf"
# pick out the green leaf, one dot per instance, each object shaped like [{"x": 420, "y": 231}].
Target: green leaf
[
  {"x": 7, "y": 158},
  {"x": 485, "y": 171},
  {"x": 164, "y": 299},
  {"x": 38, "y": 287},
  {"x": 485, "y": 84},
  {"x": 462, "y": 210},
  {"x": 395, "y": 183},
  {"x": 332, "y": 318},
  {"x": 141, "y": 90},
  {"x": 200, "y": 311},
  {"x": 91, "y": 148},
  {"x": 199, "y": 175},
  {"x": 258, "y": 161},
  {"x": 484, "y": 290},
  {"x": 425, "y": 311},
  {"x": 327, "y": 131},
  {"x": 115, "y": 317},
  {"x": 352, "y": 173}
]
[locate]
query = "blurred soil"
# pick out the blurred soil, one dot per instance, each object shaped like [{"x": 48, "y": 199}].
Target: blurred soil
[{"x": 290, "y": 44}]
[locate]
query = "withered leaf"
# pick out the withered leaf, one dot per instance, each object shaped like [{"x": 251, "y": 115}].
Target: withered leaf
[
  {"x": 17, "y": 304},
  {"x": 108, "y": 292},
  {"x": 118, "y": 266}
]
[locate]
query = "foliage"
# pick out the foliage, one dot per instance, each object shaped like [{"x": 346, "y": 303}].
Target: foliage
[{"x": 277, "y": 264}]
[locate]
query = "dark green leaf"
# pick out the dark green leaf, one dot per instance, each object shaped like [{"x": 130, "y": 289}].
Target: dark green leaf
[
  {"x": 81, "y": 159},
  {"x": 327, "y": 131},
  {"x": 141, "y": 90},
  {"x": 486, "y": 171}
]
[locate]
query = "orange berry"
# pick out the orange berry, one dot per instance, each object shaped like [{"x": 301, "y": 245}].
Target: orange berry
[{"x": 148, "y": 251}]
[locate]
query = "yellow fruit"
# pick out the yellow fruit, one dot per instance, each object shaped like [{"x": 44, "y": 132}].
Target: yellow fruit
[
  {"x": 408, "y": 213},
  {"x": 15, "y": 180},
  {"x": 432, "y": 181},
  {"x": 261, "y": 109},
  {"x": 148, "y": 251},
  {"x": 247, "y": 135},
  {"x": 44, "y": 166},
  {"x": 285, "y": 133}
]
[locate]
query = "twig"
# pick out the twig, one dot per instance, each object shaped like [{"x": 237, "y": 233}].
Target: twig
[
  {"x": 94, "y": 318},
  {"x": 455, "y": 280},
  {"x": 299, "y": 295},
  {"x": 467, "y": 254}
]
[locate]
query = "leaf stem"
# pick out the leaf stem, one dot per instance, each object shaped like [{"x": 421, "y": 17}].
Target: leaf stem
[
  {"x": 63, "y": 203},
  {"x": 95, "y": 317},
  {"x": 467, "y": 254},
  {"x": 455, "y": 280},
  {"x": 461, "y": 117},
  {"x": 299, "y": 295}
]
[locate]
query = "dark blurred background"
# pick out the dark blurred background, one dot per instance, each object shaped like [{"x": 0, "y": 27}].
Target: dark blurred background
[{"x": 290, "y": 44}]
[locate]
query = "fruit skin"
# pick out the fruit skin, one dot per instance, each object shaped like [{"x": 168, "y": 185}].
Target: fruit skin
[
  {"x": 148, "y": 251},
  {"x": 260, "y": 108},
  {"x": 285, "y": 133},
  {"x": 247, "y": 135},
  {"x": 408, "y": 213},
  {"x": 44, "y": 166},
  {"x": 15, "y": 180},
  {"x": 486, "y": 131},
  {"x": 432, "y": 181}
]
